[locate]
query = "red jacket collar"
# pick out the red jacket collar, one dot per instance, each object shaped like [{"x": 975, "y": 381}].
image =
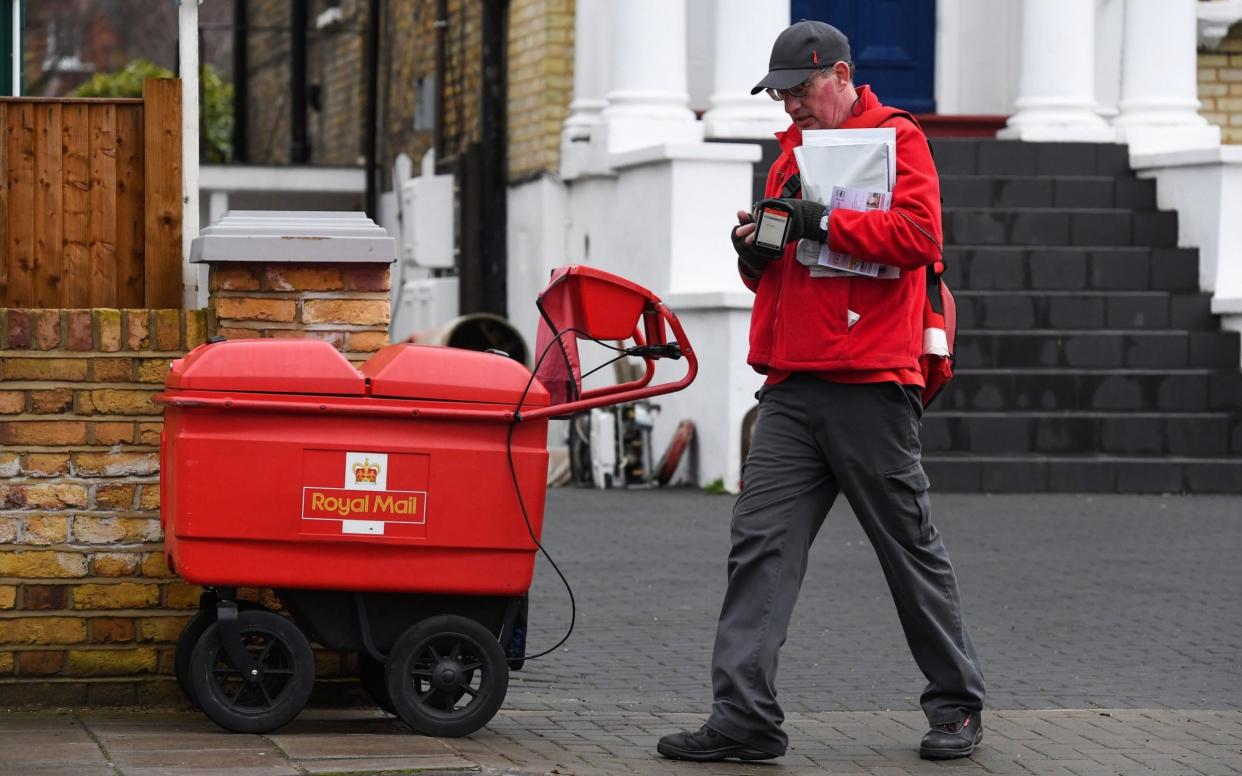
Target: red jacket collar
[{"x": 791, "y": 138}]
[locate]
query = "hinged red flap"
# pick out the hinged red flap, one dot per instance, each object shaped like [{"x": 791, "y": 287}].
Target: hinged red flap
[
  {"x": 451, "y": 374},
  {"x": 267, "y": 366}
]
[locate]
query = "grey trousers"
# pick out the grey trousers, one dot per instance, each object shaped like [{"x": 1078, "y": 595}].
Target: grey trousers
[{"x": 815, "y": 439}]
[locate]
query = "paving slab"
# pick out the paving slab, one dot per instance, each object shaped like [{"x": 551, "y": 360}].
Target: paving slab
[
  {"x": 191, "y": 758},
  {"x": 424, "y": 766},
  {"x": 23, "y": 753},
  {"x": 343, "y": 743}
]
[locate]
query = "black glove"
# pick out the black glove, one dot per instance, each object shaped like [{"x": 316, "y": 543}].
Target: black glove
[
  {"x": 805, "y": 218},
  {"x": 753, "y": 262}
]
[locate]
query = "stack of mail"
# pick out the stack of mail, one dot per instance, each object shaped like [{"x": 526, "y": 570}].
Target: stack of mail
[{"x": 852, "y": 169}]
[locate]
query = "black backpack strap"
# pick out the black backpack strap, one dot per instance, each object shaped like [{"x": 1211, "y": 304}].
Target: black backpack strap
[
  {"x": 792, "y": 186},
  {"x": 933, "y": 289}
]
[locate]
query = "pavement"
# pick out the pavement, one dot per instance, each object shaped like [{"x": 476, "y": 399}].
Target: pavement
[{"x": 1110, "y": 630}]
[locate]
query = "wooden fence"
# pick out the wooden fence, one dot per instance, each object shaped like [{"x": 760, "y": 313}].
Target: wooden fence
[{"x": 90, "y": 200}]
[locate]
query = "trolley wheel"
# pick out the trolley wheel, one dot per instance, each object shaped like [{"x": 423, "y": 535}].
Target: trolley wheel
[
  {"x": 374, "y": 679},
  {"x": 447, "y": 676},
  {"x": 190, "y": 634},
  {"x": 286, "y": 668}
]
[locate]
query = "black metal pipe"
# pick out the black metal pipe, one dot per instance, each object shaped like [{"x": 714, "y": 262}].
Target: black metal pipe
[
  {"x": 299, "y": 148},
  {"x": 241, "y": 80},
  {"x": 441, "y": 59},
  {"x": 495, "y": 169},
  {"x": 374, "y": 15}
]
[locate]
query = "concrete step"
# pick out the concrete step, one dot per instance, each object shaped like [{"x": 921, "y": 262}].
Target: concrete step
[
  {"x": 1059, "y": 226},
  {"x": 985, "y": 156},
  {"x": 1132, "y": 433},
  {"x": 1098, "y": 349},
  {"x": 1062, "y": 310},
  {"x": 1083, "y": 474},
  {"x": 1118, "y": 390},
  {"x": 1069, "y": 191},
  {"x": 1068, "y": 268}
]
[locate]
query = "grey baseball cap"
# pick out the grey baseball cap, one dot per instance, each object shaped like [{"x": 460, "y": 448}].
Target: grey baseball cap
[{"x": 802, "y": 50}]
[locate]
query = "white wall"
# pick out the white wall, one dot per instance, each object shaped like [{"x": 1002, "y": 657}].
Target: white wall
[
  {"x": 718, "y": 327},
  {"x": 536, "y": 245}
]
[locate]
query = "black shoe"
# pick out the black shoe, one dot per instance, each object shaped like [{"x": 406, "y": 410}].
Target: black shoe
[
  {"x": 707, "y": 745},
  {"x": 953, "y": 740}
]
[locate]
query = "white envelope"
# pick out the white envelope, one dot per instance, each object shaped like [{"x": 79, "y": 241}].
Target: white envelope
[
  {"x": 813, "y": 138},
  {"x": 857, "y": 166}
]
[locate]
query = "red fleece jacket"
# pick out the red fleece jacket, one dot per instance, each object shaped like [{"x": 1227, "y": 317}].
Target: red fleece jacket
[{"x": 799, "y": 323}]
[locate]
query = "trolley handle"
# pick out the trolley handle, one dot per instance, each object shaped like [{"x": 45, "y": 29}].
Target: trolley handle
[
  {"x": 639, "y": 350},
  {"x": 635, "y": 389}
]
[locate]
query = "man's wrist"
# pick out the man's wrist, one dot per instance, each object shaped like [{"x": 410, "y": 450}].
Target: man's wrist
[
  {"x": 749, "y": 270},
  {"x": 813, "y": 220}
]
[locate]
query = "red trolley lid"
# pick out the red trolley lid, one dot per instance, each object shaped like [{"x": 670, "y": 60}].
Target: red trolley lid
[
  {"x": 451, "y": 374},
  {"x": 267, "y": 366}
]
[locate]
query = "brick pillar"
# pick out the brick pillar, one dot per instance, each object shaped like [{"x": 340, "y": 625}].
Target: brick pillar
[
  {"x": 344, "y": 304},
  {"x": 300, "y": 275}
]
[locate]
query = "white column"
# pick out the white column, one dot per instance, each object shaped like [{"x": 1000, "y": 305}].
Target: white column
[
  {"x": 592, "y": 78},
  {"x": 16, "y": 52},
  {"x": 648, "y": 104},
  {"x": 193, "y": 276},
  {"x": 745, "y": 31},
  {"x": 1159, "y": 89},
  {"x": 1056, "y": 89}
]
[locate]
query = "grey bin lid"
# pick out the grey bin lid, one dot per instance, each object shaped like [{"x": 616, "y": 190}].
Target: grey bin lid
[{"x": 293, "y": 235}]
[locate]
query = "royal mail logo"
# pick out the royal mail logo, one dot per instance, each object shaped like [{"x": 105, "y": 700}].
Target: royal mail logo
[
  {"x": 366, "y": 471},
  {"x": 400, "y": 506}
]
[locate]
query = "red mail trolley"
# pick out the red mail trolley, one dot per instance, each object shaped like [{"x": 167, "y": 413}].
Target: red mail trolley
[{"x": 394, "y": 508}]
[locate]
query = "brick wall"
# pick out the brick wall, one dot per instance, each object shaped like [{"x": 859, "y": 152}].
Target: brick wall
[
  {"x": 267, "y": 51},
  {"x": 335, "y": 62},
  {"x": 89, "y": 613},
  {"x": 541, "y": 65},
  {"x": 88, "y": 610},
  {"x": 1220, "y": 85},
  {"x": 540, "y": 81},
  {"x": 344, "y": 304},
  {"x": 406, "y": 66}
]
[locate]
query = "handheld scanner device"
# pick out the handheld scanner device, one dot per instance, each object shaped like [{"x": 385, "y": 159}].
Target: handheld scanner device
[{"x": 773, "y": 227}]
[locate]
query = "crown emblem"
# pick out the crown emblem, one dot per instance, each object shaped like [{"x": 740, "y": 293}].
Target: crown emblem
[{"x": 365, "y": 471}]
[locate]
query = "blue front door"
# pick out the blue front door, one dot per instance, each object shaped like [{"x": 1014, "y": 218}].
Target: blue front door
[{"x": 893, "y": 43}]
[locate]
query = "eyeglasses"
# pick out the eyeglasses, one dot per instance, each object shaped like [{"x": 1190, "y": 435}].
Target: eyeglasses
[{"x": 799, "y": 91}]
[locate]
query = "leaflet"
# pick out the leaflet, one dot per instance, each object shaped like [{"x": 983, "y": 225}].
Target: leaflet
[{"x": 831, "y": 263}]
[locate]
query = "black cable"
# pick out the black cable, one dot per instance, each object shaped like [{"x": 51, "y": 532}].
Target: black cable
[
  {"x": 546, "y": 350},
  {"x": 517, "y": 489},
  {"x": 573, "y": 604},
  {"x": 606, "y": 363}
]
